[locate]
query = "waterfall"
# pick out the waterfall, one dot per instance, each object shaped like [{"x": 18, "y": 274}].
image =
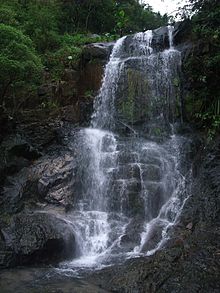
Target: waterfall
[{"x": 131, "y": 186}]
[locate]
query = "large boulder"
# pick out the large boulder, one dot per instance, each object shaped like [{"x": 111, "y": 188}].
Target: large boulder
[
  {"x": 16, "y": 155},
  {"x": 97, "y": 50},
  {"x": 93, "y": 60},
  {"x": 132, "y": 235},
  {"x": 38, "y": 238},
  {"x": 49, "y": 180},
  {"x": 55, "y": 184}
]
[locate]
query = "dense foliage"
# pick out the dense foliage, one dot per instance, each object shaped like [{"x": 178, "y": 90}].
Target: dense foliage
[
  {"x": 20, "y": 66},
  {"x": 102, "y": 16},
  {"x": 48, "y": 31},
  {"x": 203, "y": 68}
]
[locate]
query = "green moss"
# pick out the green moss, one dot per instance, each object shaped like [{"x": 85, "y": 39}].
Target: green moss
[
  {"x": 137, "y": 87},
  {"x": 157, "y": 131},
  {"x": 176, "y": 82},
  {"x": 5, "y": 218}
]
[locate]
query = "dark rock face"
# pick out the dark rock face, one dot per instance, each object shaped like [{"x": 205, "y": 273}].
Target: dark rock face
[
  {"x": 39, "y": 238},
  {"x": 130, "y": 239},
  {"x": 160, "y": 39},
  {"x": 182, "y": 31},
  {"x": 27, "y": 173},
  {"x": 55, "y": 185},
  {"x": 93, "y": 60},
  {"x": 37, "y": 173},
  {"x": 97, "y": 50},
  {"x": 78, "y": 82},
  {"x": 6, "y": 122}
]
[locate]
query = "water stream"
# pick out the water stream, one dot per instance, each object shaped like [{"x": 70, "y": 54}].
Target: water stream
[{"x": 131, "y": 185}]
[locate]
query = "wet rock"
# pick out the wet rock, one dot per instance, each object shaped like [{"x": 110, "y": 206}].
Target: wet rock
[
  {"x": 135, "y": 94},
  {"x": 85, "y": 109},
  {"x": 39, "y": 238},
  {"x": 13, "y": 192},
  {"x": 152, "y": 173},
  {"x": 97, "y": 50},
  {"x": 93, "y": 59},
  {"x": 25, "y": 150},
  {"x": 17, "y": 146},
  {"x": 134, "y": 205},
  {"x": 128, "y": 171},
  {"x": 55, "y": 185},
  {"x": 189, "y": 226},
  {"x": 151, "y": 156},
  {"x": 132, "y": 236},
  {"x": 16, "y": 154},
  {"x": 156, "y": 195},
  {"x": 40, "y": 134},
  {"x": 160, "y": 39},
  {"x": 62, "y": 92},
  {"x": 125, "y": 157},
  {"x": 50, "y": 179},
  {"x": 35, "y": 280},
  {"x": 91, "y": 75},
  {"x": 189, "y": 260},
  {"x": 154, "y": 235}
]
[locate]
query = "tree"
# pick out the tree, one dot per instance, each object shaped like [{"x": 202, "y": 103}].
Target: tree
[
  {"x": 134, "y": 17},
  {"x": 108, "y": 16},
  {"x": 203, "y": 68},
  {"x": 8, "y": 15},
  {"x": 20, "y": 67},
  {"x": 41, "y": 24}
]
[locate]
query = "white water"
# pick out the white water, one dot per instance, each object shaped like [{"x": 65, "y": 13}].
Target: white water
[
  {"x": 103, "y": 104},
  {"x": 131, "y": 187}
]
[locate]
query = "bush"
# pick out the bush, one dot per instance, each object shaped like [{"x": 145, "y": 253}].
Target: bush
[{"x": 20, "y": 67}]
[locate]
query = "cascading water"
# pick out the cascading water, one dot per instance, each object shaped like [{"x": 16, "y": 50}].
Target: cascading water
[{"x": 130, "y": 180}]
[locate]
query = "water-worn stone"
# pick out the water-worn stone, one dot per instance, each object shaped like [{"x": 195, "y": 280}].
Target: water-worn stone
[
  {"x": 154, "y": 235},
  {"x": 50, "y": 179},
  {"x": 55, "y": 185},
  {"x": 131, "y": 237},
  {"x": 97, "y": 50},
  {"x": 39, "y": 238},
  {"x": 152, "y": 173}
]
